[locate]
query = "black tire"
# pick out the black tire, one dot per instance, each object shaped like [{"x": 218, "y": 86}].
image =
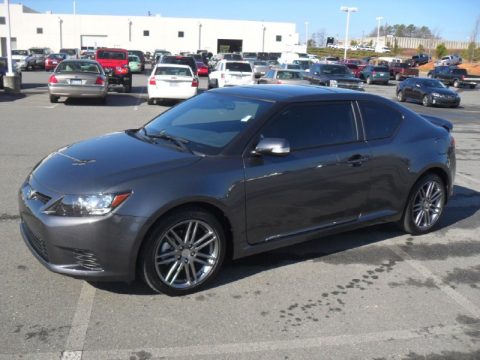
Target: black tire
[
  {"x": 401, "y": 96},
  {"x": 398, "y": 77},
  {"x": 102, "y": 100},
  {"x": 369, "y": 80},
  {"x": 128, "y": 86},
  {"x": 54, "y": 99},
  {"x": 385, "y": 83},
  {"x": 472, "y": 86},
  {"x": 456, "y": 83},
  {"x": 409, "y": 222},
  {"x": 426, "y": 101},
  {"x": 158, "y": 246},
  {"x": 151, "y": 101},
  {"x": 212, "y": 84}
]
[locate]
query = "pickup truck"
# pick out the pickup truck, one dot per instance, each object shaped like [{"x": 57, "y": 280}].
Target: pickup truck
[
  {"x": 420, "y": 59},
  {"x": 115, "y": 64},
  {"x": 449, "y": 60},
  {"x": 401, "y": 71},
  {"x": 454, "y": 76},
  {"x": 334, "y": 75}
]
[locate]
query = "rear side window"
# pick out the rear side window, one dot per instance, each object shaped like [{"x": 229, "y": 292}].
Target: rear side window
[
  {"x": 174, "y": 71},
  {"x": 459, "y": 71},
  {"x": 114, "y": 55},
  {"x": 242, "y": 67},
  {"x": 380, "y": 120},
  {"x": 307, "y": 126}
]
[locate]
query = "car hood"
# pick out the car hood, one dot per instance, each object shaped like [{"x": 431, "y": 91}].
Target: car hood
[
  {"x": 106, "y": 163},
  {"x": 441, "y": 91}
]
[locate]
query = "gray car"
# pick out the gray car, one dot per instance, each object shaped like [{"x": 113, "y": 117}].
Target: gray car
[
  {"x": 259, "y": 68},
  {"x": 278, "y": 76},
  {"x": 230, "y": 173},
  {"x": 78, "y": 79}
]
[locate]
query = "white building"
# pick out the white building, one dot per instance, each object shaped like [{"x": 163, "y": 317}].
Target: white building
[{"x": 30, "y": 28}]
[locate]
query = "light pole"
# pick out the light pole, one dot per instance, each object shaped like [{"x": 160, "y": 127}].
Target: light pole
[
  {"x": 129, "y": 30},
  {"x": 306, "y": 34},
  {"x": 379, "y": 18},
  {"x": 60, "y": 22},
  {"x": 200, "y": 36},
  {"x": 263, "y": 37},
  {"x": 348, "y": 10}
]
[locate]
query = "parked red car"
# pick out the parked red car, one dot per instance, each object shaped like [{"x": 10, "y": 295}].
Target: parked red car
[
  {"x": 202, "y": 68},
  {"x": 53, "y": 60},
  {"x": 354, "y": 69}
]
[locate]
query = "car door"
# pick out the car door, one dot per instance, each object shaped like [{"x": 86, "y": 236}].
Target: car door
[{"x": 322, "y": 182}]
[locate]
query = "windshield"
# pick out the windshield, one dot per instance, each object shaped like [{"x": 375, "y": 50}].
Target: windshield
[
  {"x": 289, "y": 75},
  {"x": 173, "y": 71},
  {"x": 69, "y": 51},
  {"x": 232, "y": 57},
  {"x": 242, "y": 67},
  {"x": 433, "y": 84},
  {"x": 20, "y": 52},
  {"x": 209, "y": 121},
  {"x": 381, "y": 69},
  {"x": 77, "y": 66},
  {"x": 133, "y": 58},
  {"x": 334, "y": 70},
  {"x": 115, "y": 55},
  {"x": 37, "y": 51}
]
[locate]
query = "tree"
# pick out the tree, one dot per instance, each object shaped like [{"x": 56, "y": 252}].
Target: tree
[
  {"x": 402, "y": 30},
  {"x": 395, "y": 49},
  {"x": 471, "y": 46},
  {"x": 353, "y": 43},
  {"x": 311, "y": 44},
  {"x": 420, "y": 49},
  {"x": 319, "y": 38},
  {"x": 441, "y": 50}
]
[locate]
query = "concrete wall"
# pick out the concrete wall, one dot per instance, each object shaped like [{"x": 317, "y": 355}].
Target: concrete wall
[{"x": 67, "y": 30}]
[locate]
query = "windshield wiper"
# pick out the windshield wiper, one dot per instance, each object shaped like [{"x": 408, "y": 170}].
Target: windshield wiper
[{"x": 181, "y": 143}]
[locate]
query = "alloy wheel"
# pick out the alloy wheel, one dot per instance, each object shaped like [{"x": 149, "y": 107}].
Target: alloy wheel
[{"x": 427, "y": 205}]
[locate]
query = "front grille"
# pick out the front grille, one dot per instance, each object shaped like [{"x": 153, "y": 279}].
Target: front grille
[
  {"x": 87, "y": 260},
  {"x": 348, "y": 85},
  {"x": 37, "y": 243}
]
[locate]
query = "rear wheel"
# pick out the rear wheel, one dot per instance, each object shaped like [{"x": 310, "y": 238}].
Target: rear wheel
[
  {"x": 456, "y": 83},
  {"x": 184, "y": 252},
  {"x": 401, "y": 96},
  {"x": 151, "y": 101},
  {"x": 425, "y": 205},
  {"x": 128, "y": 86},
  {"x": 398, "y": 77},
  {"x": 212, "y": 83},
  {"x": 426, "y": 101},
  {"x": 472, "y": 86},
  {"x": 54, "y": 99},
  {"x": 369, "y": 80}
]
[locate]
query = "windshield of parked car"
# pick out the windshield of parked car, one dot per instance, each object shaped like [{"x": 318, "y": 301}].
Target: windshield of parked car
[
  {"x": 69, "y": 51},
  {"x": 114, "y": 55},
  {"x": 334, "y": 70},
  {"x": 242, "y": 67},
  {"x": 56, "y": 56},
  {"x": 20, "y": 52},
  {"x": 37, "y": 51},
  {"x": 433, "y": 84},
  {"x": 173, "y": 71},
  {"x": 232, "y": 57},
  {"x": 209, "y": 121},
  {"x": 77, "y": 66},
  {"x": 289, "y": 75}
]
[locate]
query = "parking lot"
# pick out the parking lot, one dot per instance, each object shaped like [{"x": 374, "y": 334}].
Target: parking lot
[{"x": 375, "y": 293}]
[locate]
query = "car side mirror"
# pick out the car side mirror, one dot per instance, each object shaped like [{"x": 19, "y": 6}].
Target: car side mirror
[{"x": 272, "y": 146}]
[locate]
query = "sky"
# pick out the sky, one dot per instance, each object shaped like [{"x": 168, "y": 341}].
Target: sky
[{"x": 453, "y": 20}]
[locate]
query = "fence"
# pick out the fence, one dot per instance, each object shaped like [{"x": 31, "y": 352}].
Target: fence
[{"x": 413, "y": 43}]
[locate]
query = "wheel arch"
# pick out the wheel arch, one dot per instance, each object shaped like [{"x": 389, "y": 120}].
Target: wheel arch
[
  {"x": 439, "y": 171},
  {"x": 205, "y": 204}
]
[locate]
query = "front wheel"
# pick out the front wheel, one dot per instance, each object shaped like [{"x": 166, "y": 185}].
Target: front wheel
[
  {"x": 184, "y": 252},
  {"x": 401, "y": 96},
  {"x": 128, "y": 86},
  {"x": 456, "y": 84},
  {"x": 369, "y": 80},
  {"x": 426, "y": 101},
  {"x": 398, "y": 77},
  {"x": 425, "y": 205}
]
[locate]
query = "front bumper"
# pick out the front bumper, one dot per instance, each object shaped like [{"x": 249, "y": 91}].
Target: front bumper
[
  {"x": 443, "y": 101},
  {"x": 95, "y": 248}
]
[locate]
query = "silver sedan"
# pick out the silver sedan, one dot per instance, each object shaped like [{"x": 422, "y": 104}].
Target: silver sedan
[
  {"x": 78, "y": 79},
  {"x": 281, "y": 76}
]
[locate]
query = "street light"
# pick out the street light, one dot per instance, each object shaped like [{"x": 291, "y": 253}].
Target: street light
[
  {"x": 348, "y": 10},
  {"x": 129, "y": 30},
  {"x": 380, "y": 18},
  {"x": 306, "y": 34},
  {"x": 200, "y": 36},
  {"x": 263, "y": 37},
  {"x": 60, "y": 22}
]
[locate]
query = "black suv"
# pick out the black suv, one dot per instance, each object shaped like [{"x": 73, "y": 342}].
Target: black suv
[
  {"x": 181, "y": 60},
  {"x": 334, "y": 75}
]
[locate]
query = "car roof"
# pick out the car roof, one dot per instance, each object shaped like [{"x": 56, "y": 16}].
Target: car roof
[
  {"x": 292, "y": 93},
  {"x": 88, "y": 61},
  {"x": 173, "y": 65}
]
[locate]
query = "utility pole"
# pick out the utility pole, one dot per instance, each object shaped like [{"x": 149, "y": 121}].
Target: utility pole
[
  {"x": 11, "y": 81},
  {"x": 348, "y": 10}
]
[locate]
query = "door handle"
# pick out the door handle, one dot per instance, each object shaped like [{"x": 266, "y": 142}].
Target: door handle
[{"x": 357, "y": 160}]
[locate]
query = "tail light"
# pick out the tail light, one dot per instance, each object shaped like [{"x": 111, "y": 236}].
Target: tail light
[
  {"x": 195, "y": 83},
  {"x": 279, "y": 82},
  {"x": 52, "y": 79},
  {"x": 152, "y": 81},
  {"x": 100, "y": 81}
]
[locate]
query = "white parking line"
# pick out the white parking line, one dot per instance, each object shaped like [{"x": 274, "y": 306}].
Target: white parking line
[
  {"x": 469, "y": 178},
  {"x": 81, "y": 319},
  {"x": 249, "y": 347}
]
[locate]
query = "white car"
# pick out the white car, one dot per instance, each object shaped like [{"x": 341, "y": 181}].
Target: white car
[
  {"x": 171, "y": 81},
  {"x": 231, "y": 73},
  {"x": 449, "y": 60}
]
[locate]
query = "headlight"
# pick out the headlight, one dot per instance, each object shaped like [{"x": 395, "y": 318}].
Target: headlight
[
  {"x": 333, "y": 83},
  {"x": 86, "y": 205},
  {"x": 436, "y": 94}
]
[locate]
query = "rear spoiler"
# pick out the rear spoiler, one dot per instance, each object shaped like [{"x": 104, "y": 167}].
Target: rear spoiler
[{"x": 447, "y": 125}]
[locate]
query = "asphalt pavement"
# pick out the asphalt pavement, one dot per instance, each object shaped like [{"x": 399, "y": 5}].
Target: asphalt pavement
[{"x": 374, "y": 293}]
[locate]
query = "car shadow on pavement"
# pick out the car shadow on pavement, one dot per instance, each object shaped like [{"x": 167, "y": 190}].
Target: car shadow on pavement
[
  {"x": 459, "y": 211},
  {"x": 5, "y": 96},
  {"x": 113, "y": 99}
]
